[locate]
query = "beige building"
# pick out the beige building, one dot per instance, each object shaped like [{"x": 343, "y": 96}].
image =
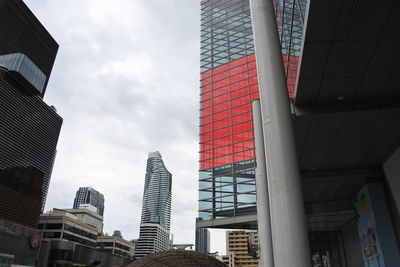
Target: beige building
[
  {"x": 116, "y": 245},
  {"x": 62, "y": 225},
  {"x": 88, "y": 216},
  {"x": 237, "y": 249}
]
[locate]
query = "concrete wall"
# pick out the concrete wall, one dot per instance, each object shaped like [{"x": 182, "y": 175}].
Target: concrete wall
[
  {"x": 351, "y": 244},
  {"x": 44, "y": 253},
  {"x": 15, "y": 240}
]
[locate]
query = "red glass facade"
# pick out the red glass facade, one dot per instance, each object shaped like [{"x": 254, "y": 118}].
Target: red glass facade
[
  {"x": 226, "y": 127},
  {"x": 229, "y": 83}
]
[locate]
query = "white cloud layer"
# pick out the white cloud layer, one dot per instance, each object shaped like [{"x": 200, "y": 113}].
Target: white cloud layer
[{"x": 126, "y": 83}]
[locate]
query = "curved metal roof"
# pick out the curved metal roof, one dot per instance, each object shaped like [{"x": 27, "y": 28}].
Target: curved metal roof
[{"x": 177, "y": 258}]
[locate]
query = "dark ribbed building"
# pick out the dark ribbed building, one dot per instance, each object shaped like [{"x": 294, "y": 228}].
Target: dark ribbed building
[
  {"x": 22, "y": 32},
  {"x": 29, "y": 128}
]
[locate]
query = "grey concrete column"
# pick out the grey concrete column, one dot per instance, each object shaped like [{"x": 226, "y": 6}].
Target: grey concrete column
[
  {"x": 263, "y": 213},
  {"x": 289, "y": 232}
]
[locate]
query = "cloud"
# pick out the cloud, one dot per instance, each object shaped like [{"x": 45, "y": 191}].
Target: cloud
[{"x": 125, "y": 82}]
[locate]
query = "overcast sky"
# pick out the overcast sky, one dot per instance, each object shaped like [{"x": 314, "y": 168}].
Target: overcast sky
[{"x": 126, "y": 82}]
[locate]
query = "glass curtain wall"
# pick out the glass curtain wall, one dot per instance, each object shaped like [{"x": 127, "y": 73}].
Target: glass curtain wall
[{"x": 228, "y": 85}]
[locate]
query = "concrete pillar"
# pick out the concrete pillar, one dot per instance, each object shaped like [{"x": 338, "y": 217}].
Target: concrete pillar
[
  {"x": 289, "y": 232},
  {"x": 263, "y": 210}
]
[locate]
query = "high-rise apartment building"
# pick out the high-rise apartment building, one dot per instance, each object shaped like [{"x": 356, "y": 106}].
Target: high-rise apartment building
[
  {"x": 156, "y": 210},
  {"x": 237, "y": 249},
  {"x": 88, "y": 195},
  {"x": 29, "y": 128}
]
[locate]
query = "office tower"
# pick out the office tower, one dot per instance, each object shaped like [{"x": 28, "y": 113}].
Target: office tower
[
  {"x": 88, "y": 195},
  {"x": 334, "y": 140},
  {"x": 22, "y": 32},
  {"x": 29, "y": 128},
  {"x": 237, "y": 248},
  {"x": 156, "y": 210},
  {"x": 202, "y": 240},
  {"x": 228, "y": 85}
]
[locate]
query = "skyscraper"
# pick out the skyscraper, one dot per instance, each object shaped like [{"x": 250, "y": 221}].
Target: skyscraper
[
  {"x": 325, "y": 145},
  {"x": 229, "y": 83},
  {"x": 202, "y": 240},
  {"x": 88, "y": 195},
  {"x": 29, "y": 128},
  {"x": 156, "y": 211}
]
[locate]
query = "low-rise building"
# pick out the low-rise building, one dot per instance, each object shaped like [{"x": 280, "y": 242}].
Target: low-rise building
[
  {"x": 88, "y": 216},
  {"x": 61, "y": 225},
  {"x": 116, "y": 245},
  {"x": 71, "y": 236}
]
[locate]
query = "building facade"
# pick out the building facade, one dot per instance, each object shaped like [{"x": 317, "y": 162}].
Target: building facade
[
  {"x": 237, "y": 249},
  {"x": 72, "y": 237},
  {"x": 88, "y": 217},
  {"x": 229, "y": 84},
  {"x": 327, "y": 144},
  {"x": 116, "y": 245},
  {"x": 88, "y": 195},
  {"x": 28, "y": 36},
  {"x": 62, "y": 225},
  {"x": 202, "y": 240},
  {"x": 156, "y": 210},
  {"x": 29, "y": 128}
]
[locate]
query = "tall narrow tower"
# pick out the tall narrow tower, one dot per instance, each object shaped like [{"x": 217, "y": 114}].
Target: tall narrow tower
[{"x": 156, "y": 211}]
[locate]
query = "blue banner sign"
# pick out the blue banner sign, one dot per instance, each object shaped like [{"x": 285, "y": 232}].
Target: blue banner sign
[{"x": 367, "y": 230}]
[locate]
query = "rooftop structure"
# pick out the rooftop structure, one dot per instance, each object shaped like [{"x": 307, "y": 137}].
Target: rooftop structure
[
  {"x": 89, "y": 217},
  {"x": 185, "y": 258},
  {"x": 116, "y": 245}
]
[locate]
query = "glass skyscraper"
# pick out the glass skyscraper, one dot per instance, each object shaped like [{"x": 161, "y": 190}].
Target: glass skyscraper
[
  {"x": 156, "y": 210},
  {"x": 331, "y": 160},
  {"x": 228, "y": 85},
  {"x": 87, "y": 195}
]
